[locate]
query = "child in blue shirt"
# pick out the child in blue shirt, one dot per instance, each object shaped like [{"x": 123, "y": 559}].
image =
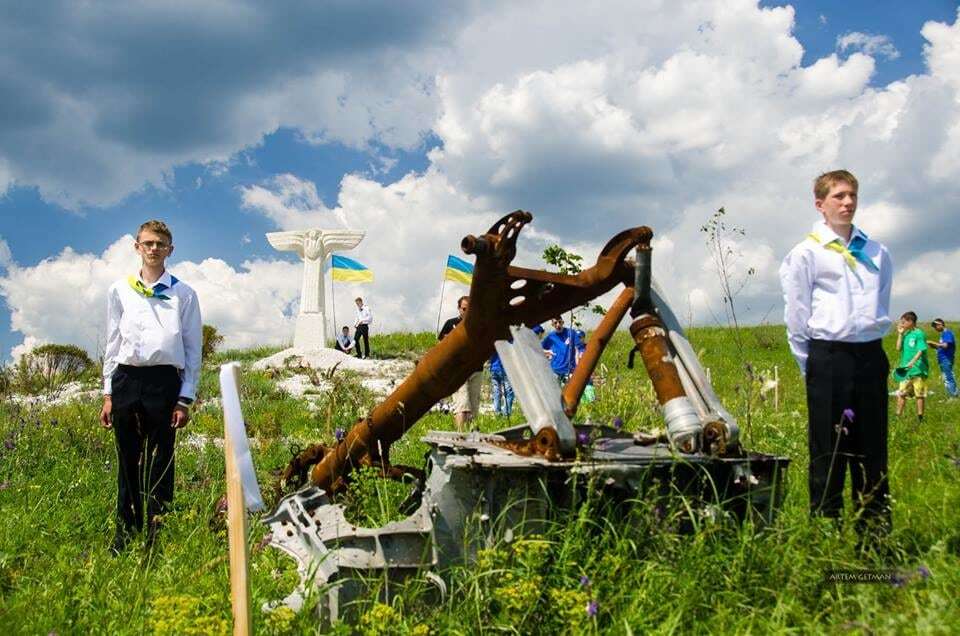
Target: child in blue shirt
[
  {"x": 563, "y": 346},
  {"x": 946, "y": 347}
]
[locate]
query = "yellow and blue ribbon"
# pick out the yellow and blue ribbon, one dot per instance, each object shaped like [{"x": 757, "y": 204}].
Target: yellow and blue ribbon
[
  {"x": 850, "y": 254},
  {"x": 150, "y": 292}
]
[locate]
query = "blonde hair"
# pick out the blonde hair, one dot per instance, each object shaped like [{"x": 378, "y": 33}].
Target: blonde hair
[
  {"x": 823, "y": 183},
  {"x": 157, "y": 227}
]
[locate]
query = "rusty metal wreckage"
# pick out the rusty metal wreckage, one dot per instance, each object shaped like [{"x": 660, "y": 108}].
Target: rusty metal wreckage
[{"x": 480, "y": 488}]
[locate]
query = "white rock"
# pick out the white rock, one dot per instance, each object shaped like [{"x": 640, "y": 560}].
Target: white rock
[
  {"x": 326, "y": 359},
  {"x": 67, "y": 393}
]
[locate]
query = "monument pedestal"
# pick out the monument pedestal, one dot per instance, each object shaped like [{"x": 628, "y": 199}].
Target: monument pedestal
[{"x": 309, "y": 332}]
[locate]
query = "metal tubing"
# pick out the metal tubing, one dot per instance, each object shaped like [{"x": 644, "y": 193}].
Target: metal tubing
[
  {"x": 642, "y": 304},
  {"x": 683, "y": 423},
  {"x": 495, "y": 304},
  {"x": 573, "y": 391},
  {"x": 651, "y": 339}
]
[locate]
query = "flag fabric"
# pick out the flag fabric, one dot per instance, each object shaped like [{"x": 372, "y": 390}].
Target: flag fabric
[
  {"x": 458, "y": 270},
  {"x": 347, "y": 269}
]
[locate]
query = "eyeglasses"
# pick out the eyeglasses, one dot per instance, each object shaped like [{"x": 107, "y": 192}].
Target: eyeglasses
[{"x": 154, "y": 245}]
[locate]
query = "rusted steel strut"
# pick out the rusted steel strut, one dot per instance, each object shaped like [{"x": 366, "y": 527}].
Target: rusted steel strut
[{"x": 500, "y": 296}]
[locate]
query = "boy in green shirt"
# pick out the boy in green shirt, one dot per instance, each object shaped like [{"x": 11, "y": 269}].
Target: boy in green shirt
[{"x": 913, "y": 370}]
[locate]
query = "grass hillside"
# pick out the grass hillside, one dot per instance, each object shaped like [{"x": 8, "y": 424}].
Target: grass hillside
[{"x": 588, "y": 573}]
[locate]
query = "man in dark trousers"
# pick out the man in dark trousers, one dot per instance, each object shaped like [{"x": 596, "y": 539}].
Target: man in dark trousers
[
  {"x": 151, "y": 367},
  {"x": 362, "y": 328},
  {"x": 836, "y": 287}
]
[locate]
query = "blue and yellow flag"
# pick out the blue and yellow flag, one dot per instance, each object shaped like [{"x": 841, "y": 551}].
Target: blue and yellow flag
[
  {"x": 347, "y": 269},
  {"x": 458, "y": 270}
]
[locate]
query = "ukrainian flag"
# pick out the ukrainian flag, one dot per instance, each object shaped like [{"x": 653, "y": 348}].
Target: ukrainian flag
[
  {"x": 458, "y": 270},
  {"x": 347, "y": 269}
]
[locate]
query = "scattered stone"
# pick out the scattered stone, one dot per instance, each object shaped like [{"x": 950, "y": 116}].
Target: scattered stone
[
  {"x": 69, "y": 392},
  {"x": 311, "y": 368}
]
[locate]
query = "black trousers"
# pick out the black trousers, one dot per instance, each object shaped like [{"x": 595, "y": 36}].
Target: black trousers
[
  {"x": 143, "y": 402},
  {"x": 853, "y": 376},
  {"x": 364, "y": 331}
]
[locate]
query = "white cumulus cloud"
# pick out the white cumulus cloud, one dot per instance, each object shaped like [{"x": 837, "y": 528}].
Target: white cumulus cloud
[
  {"x": 872, "y": 45},
  {"x": 612, "y": 116},
  {"x": 6, "y": 257},
  {"x": 62, "y": 299}
]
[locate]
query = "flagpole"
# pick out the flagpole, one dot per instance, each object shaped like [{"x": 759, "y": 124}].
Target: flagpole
[
  {"x": 333, "y": 301},
  {"x": 443, "y": 285}
]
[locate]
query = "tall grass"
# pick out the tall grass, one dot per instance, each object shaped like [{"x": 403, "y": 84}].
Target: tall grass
[{"x": 57, "y": 498}]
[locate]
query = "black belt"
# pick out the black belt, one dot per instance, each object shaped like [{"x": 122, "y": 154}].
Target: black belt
[
  {"x": 148, "y": 371},
  {"x": 839, "y": 345}
]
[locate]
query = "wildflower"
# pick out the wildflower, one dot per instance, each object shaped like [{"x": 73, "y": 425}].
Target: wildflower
[
  {"x": 898, "y": 580},
  {"x": 592, "y": 608},
  {"x": 264, "y": 542},
  {"x": 618, "y": 423},
  {"x": 583, "y": 438},
  {"x": 924, "y": 572},
  {"x": 584, "y": 581},
  {"x": 846, "y": 416},
  {"x": 8, "y": 444},
  {"x": 340, "y": 434},
  {"x": 4, "y": 485}
]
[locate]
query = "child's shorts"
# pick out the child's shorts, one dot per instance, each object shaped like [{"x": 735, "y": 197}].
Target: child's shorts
[{"x": 915, "y": 387}]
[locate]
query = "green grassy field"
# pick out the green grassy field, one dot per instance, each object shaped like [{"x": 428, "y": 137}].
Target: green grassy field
[{"x": 57, "y": 498}]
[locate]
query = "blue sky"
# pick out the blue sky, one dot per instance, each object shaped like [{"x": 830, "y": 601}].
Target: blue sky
[
  {"x": 820, "y": 23},
  {"x": 182, "y": 116}
]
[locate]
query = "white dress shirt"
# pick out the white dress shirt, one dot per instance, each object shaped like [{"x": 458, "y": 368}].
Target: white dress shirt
[
  {"x": 364, "y": 317},
  {"x": 147, "y": 332},
  {"x": 345, "y": 341},
  {"x": 826, "y": 299}
]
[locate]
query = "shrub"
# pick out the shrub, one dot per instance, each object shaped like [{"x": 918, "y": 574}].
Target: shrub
[
  {"x": 211, "y": 340},
  {"x": 48, "y": 368}
]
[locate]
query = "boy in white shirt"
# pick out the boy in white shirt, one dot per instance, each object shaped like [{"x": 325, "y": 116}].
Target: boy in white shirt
[
  {"x": 836, "y": 287},
  {"x": 151, "y": 368},
  {"x": 362, "y": 328}
]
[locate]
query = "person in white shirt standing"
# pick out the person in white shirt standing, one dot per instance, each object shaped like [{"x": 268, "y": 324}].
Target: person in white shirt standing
[
  {"x": 836, "y": 288},
  {"x": 151, "y": 368},
  {"x": 362, "y": 328}
]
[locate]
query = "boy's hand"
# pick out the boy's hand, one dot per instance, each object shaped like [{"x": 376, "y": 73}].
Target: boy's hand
[
  {"x": 180, "y": 417},
  {"x": 901, "y": 329},
  {"x": 106, "y": 411}
]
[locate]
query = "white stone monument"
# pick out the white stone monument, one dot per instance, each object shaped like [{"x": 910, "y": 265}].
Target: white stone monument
[{"x": 313, "y": 246}]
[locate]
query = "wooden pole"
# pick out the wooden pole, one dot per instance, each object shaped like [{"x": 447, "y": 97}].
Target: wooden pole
[
  {"x": 776, "y": 388},
  {"x": 237, "y": 535}
]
